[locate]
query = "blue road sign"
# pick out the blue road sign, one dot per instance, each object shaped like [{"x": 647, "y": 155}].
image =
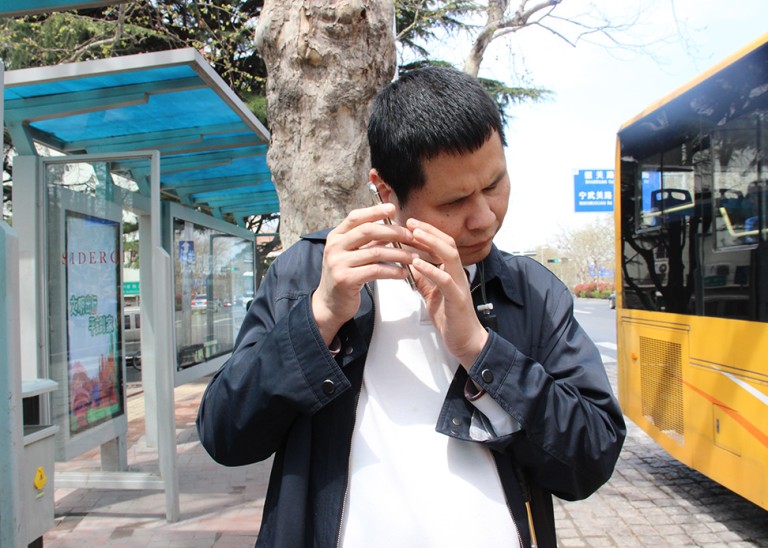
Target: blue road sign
[
  {"x": 593, "y": 190},
  {"x": 651, "y": 183},
  {"x": 186, "y": 252}
]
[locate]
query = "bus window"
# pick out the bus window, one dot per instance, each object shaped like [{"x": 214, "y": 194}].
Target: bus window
[
  {"x": 737, "y": 153},
  {"x": 661, "y": 189},
  {"x": 666, "y": 195}
]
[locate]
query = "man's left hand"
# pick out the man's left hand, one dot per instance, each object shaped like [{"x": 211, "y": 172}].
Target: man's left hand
[{"x": 442, "y": 281}]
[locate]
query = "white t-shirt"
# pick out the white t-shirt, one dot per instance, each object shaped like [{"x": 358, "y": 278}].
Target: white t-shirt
[{"x": 409, "y": 485}]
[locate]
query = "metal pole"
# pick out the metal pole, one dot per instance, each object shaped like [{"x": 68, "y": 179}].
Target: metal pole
[{"x": 161, "y": 311}]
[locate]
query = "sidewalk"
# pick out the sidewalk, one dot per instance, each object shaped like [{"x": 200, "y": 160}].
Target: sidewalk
[
  {"x": 219, "y": 506},
  {"x": 651, "y": 500}
]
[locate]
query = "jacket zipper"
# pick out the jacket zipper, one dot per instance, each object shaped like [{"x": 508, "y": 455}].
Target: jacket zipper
[
  {"x": 534, "y": 544},
  {"x": 354, "y": 421},
  {"x": 512, "y": 515},
  {"x": 346, "y": 483},
  {"x": 527, "y": 494}
]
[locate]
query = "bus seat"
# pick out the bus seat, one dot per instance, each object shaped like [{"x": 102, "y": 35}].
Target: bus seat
[{"x": 677, "y": 200}]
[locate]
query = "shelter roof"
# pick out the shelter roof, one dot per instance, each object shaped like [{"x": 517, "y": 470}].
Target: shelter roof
[
  {"x": 213, "y": 149},
  {"x": 25, "y": 7}
]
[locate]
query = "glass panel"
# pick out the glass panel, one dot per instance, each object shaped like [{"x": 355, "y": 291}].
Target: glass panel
[
  {"x": 667, "y": 194},
  {"x": 85, "y": 293},
  {"x": 737, "y": 156},
  {"x": 661, "y": 193},
  {"x": 76, "y": 177},
  {"x": 213, "y": 279},
  {"x": 659, "y": 218},
  {"x": 694, "y": 221}
]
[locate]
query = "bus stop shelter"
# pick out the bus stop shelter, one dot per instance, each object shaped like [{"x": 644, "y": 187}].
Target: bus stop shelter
[{"x": 159, "y": 136}]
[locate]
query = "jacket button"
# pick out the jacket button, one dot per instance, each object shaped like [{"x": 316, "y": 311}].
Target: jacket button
[
  {"x": 487, "y": 375},
  {"x": 348, "y": 350},
  {"x": 456, "y": 421},
  {"x": 329, "y": 387}
]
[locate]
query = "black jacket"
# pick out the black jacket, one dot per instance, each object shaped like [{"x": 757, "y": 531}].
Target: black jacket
[{"x": 283, "y": 393}]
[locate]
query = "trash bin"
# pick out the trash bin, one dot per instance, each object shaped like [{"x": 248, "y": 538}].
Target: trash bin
[{"x": 37, "y": 475}]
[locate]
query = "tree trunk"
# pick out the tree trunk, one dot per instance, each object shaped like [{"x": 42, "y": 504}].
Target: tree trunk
[
  {"x": 494, "y": 15},
  {"x": 325, "y": 61}
]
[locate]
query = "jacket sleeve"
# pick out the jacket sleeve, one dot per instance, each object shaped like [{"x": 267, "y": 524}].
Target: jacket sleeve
[
  {"x": 280, "y": 369},
  {"x": 572, "y": 427}
]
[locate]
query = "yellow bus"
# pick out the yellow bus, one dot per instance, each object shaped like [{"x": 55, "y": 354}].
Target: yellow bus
[{"x": 692, "y": 272}]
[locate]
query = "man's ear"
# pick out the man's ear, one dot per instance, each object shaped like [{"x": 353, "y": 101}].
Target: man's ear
[{"x": 386, "y": 192}]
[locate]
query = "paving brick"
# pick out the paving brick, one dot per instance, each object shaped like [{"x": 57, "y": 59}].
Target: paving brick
[{"x": 572, "y": 542}]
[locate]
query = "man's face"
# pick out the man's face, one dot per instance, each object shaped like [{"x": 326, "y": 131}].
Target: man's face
[{"x": 465, "y": 196}]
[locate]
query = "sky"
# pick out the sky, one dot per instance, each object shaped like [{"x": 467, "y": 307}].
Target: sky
[{"x": 596, "y": 90}]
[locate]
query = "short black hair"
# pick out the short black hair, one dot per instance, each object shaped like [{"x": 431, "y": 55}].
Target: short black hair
[{"x": 427, "y": 112}]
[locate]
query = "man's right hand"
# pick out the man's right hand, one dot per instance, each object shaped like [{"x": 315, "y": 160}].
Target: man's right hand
[{"x": 356, "y": 252}]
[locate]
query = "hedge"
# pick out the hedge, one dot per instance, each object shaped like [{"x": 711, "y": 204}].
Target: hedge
[{"x": 595, "y": 290}]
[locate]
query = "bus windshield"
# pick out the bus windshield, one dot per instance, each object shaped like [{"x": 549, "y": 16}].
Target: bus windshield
[{"x": 693, "y": 198}]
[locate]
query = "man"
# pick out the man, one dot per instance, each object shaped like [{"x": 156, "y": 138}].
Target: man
[{"x": 445, "y": 416}]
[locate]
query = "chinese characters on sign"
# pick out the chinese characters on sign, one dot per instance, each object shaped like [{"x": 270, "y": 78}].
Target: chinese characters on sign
[
  {"x": 593, "y": 190},
  {"x": 93, "y": 330}
]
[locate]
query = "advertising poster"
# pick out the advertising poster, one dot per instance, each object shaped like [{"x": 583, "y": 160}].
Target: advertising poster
[{"x": 93, "y": 321}]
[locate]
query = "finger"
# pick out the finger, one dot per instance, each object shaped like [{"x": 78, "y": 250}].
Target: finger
[
  {"x": 440, "y": 288},
  {"x": 377, "y": 234},
  {"x": 413, "y": 224},
  {"x": 376, "y": 254},
  {"x": 337, "y": 260},
  {"x": 436, "y": 274},
  {"x": 370, "y": 235},
  {"x": 357, "y": 276},
  {"x": 360, "y": 216},
  {"x": 441, "y": 247}
]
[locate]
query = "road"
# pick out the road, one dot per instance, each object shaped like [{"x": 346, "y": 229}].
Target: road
[{"x": 652, "y": 500}]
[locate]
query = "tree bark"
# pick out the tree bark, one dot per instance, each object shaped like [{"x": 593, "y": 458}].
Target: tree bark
[{"x": 325, "y": 61}]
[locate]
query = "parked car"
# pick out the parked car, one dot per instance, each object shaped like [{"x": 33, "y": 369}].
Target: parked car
[
  {"x": 132, "y": 334},
  {"x": 612, "y": 300},
  {"x": 200, "y": 304}
]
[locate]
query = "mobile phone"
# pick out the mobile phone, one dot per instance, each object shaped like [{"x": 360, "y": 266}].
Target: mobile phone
[{"x": 376, "y": 201}]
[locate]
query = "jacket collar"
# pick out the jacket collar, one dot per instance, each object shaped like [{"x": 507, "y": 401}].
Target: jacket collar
[
  {"x": 494, "y": 263},
  {"x": 496, "y": 267},
  {"x": 319, "y": 236}
]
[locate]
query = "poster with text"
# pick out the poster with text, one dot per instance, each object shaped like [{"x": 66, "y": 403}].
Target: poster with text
[{"x": 94, "y": 337}]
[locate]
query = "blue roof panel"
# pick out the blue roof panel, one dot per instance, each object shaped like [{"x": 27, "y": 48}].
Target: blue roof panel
[
  {"x": 161, "y": 112},
  {"x": 167, "y": 101},
  {"x": 254, "y": 165},
  {"x": 115, "y": 80},
  {"x": 26, "y": 7}
]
